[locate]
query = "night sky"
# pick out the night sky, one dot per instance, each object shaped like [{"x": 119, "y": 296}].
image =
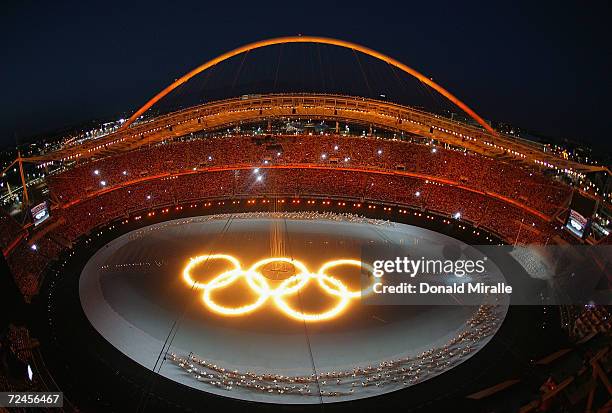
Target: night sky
[{"x": 542, "y": 66}]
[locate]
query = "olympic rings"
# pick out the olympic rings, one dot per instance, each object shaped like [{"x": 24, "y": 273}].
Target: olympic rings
[
  {"x": 298, "y": 315},
  {"x": 337, "y": 263},
  {"x": 228, "y": 278},
  {"x": 289, "y": 286},
  {"x": 204, "y": 258}
]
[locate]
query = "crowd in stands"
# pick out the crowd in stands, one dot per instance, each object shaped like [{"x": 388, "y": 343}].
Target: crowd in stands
[
  {"x": 9, "y": 230},
  {"x": 172, "y": 174},
  {"x": 16, "y": 356},
  {"x": 592, "y": 319},
  {"x": 28, "y": 261},
  {"x": 480, "y": 209},
  {"x": 476, "y": 171},
  {"x": 20, "y": 343}
]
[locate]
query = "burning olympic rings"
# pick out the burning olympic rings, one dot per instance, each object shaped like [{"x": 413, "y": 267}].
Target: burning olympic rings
[{"x": 291, "y": 285}]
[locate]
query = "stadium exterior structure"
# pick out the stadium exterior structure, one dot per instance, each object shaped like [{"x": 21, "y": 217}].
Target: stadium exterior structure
[{"x": 376, "y": 113}]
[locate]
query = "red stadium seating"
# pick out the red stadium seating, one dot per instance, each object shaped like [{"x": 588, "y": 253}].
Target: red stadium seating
[
  {"x": 447, "y": 181},
  {"x": 481, "y": 173}
]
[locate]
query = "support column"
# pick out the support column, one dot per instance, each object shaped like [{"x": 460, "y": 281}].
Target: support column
[{"x": 26, "y": 198}]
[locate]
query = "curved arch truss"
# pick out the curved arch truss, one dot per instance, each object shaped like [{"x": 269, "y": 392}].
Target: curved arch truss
[
  {"x": 309, "y": 39},
  {"x": 385, "y": 115}
]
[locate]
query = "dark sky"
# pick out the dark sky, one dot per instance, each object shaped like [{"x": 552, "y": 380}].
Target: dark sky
[{"x": 543, "y": 66}]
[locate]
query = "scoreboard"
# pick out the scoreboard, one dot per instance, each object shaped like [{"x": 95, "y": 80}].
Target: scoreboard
[
  {"x": 581, "y": 212},
  {"x": 39, "y": 213}
]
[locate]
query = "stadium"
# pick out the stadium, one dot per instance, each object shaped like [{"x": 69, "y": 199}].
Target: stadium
[{"x": 215, "y": 254}]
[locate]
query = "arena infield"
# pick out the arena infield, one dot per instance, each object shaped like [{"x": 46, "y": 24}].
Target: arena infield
[{"x": 135, "y": 294}]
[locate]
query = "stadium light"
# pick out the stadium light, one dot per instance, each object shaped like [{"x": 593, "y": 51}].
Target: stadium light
[
  {"x": 103, "y": 183},
  {"x": 96, "y": 172},
  {"x": 417, "y": 193},
  {"x": 34, "y": 247},
  {"x": 457, "y": 215},
  {"x": 256, "y": 170},
  {"x": 434, "y": 150}
]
